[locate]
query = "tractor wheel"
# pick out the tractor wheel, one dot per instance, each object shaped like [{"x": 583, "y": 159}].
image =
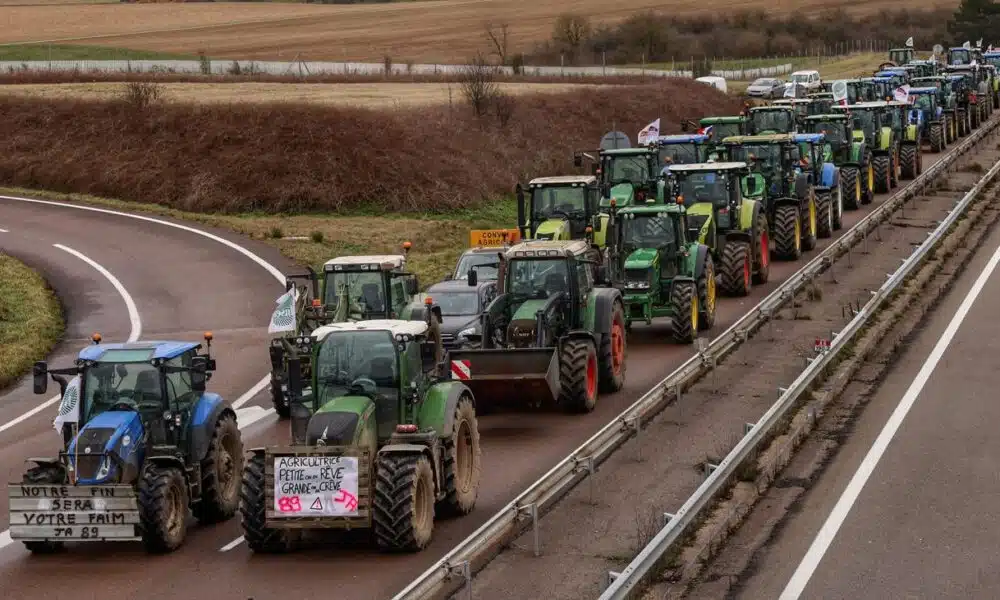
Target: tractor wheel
[
  {"x": 762, "y": 249},
  {"x": 253, "y": 511},
  {"x": 220, "y": 473},
  {"x": 163, "y": 507},
  {"x": 868, "y": 181},
  {"x": 735, "y": 268},
  {"x": 908, "y": 160},
  {"x": 824, "y": 214},
  {"x": 837, "y": 204},
  {"x": 974, "y": 115},
  {"x": 578, "y": 376},
  {"x": 963, "y": 122},
  {"x": 850, "y": 187},
  {"x": 684, "y": 302},
  {"x": 462, "y": 462},
  {"x": 706, "y": 295},
  {"x": 809, "y": 224},
  {"x": 44, "y": 474},
  {"x": 895, "y": 170},
  {"x": 403, "y": 518},
  {"x": 937, "y": 143},
  {"x": 883, "y": 173},
  {"x": 279, "y": 401},
  {"x": 788, "y": 232},
  {"x": 611, "y": 357}
]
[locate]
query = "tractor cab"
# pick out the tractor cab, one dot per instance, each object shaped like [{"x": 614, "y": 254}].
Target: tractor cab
[
  {"x": 836, "y": 131},
  {"x": 860, "y": 90},
  {"x": 815, "y": 151},
  {"x": 801, "y": 106},
  {"x": 765, "y": 120},
  {"x": 714, "y": 192},
  {"x": 719, "y": 128},
  {"x": 925, "y": 106},
  {"x": 901, "y": 56},
  {"x": 368, "y": 287},
  {"x": 631, "y": 176},
  {"x": 883, "y": 87},
  {"x": 867, "y": 119},
  {"x": 992, "y": 58},
  {"x": 897, "y": 76},
  {"x": 564, "y": 207},
  {"x": 923, "y": 68},
  {"x": 682, "y": 149},
  {"x": 959, "y": 56},
  {"x": 774, "y": 157}
]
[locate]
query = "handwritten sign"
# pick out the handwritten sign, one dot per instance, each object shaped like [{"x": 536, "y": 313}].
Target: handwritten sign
[
  {"x": 315, "y": 486},
  {"x": 78, "y": 513},
  {"x": 490, "y": 238}
]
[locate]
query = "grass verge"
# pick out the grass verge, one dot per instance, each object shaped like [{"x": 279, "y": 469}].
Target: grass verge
[
  {"x": 31, "y": 319},
  {"x": 81, "y": 52}
]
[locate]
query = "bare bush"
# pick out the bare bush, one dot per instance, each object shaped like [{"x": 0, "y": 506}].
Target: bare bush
[
  {"x": 479, "y": 86},
  {"x": 499, "y": 41},
  {"x": 503, "y": 107},
  {"x": 140, "y": 94}
]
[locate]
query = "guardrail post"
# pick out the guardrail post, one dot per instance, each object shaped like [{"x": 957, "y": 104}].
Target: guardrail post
[
  {"x": 465, "y": 570},
  {"x": 636, "y": 425},
  {"x": 667, "y": 517},
  {"x": 589, "y": 462},
  {"x": 532, "y": 511},
  {"x": 709, "y": 467},
  {"x": 748, "y": 427},
  {"x": 612, "y": 575}
]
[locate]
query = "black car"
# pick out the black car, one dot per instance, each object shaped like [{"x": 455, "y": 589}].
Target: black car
[
  {"x": 461, "y": 306},
  {"x": 484, "y": 259}
]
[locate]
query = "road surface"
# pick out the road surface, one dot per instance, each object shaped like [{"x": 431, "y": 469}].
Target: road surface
[
  {"x": 907, "y": 507},
  {"x": 181, "y": 284}
]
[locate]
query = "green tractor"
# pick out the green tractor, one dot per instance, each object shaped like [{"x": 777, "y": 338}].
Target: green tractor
[
  {"x": 767, "y": 120},
  {"x": 910, "y": 152},
  {"x": 860, "y": 90},
  {"x": 552, "y": 330},
  {"x": 352, "y": 288},
  {"x": 665, "y": 275},
  {"x": 850, "y": 155},
  {"x": 929, "y": 117},
  {"x": 565, "y": 207},
  {"x": 719, "y": 128},
  {"x": 791, "y": 198},
  {"x": 724, "y": 205},
  {"x": 947, "y": 101},
  {"x": 901, "y": 56},
  {"x": 978, "y": 98},
  {"x": 873, "y": 123},
  {"x": 384, "y": 438},
  {"x": 630, "y": 176},
  {"x": 683, "y": 149}
]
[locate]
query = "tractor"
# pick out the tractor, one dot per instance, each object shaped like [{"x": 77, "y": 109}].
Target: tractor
[
  {"x": 883, "y": 88},
  {"x": 909, "y": 153},
  {"x": 820, "y": 103},
  {"x": 929, "y": 117},
  {"x": 142, "y": 443},
  {"x": 947, "y": 101},
  {"x": 801, "y": 107},
  {"x": 962, "y": 89},
  {"x": 978, "y": 100},
  {"x": 352, "y": 288},
  {"x": 818, "y": 152},
  {"x": 992, "y": 59},
  {"x": 683, "y": 149},
  {"x": 993, "y": 89},
  {"x": 630, "y": 176},
  {"x": 766, "y": 120},
  {"x": 791, "y": 199},
  {"x": 722, "y": 214},
  {"x": 850, "y": 154},
  {"x": 564, "y": 207},
  {"x": 873, "y": 122},
  {"x": 665, "y": 274},
  {"x": 718, "y": 128},
  {"x": 962, "y": 55},
  {"x": 860, "y": 90},
  {"x": 551, "y": 332},
  {"x": 384, "y": 438},
  {"x": 901, "y": 56}
]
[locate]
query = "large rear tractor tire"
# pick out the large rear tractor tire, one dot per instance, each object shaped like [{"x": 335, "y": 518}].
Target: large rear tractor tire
[
  {"x": 937, "y": 138},
  {"x": 706, "y": 295},
  {"x": 787, "y": 232},
  {"x": 761, "y": 266},
  {"x": 39, "y": 475},
  {"x": 824, "y": 214},
  {"x": 908, "y": 158},
  {"x": 850, "y": 187},
  {"x": 403, "y": 516},
  {"x": 837, "y": 205},
  {"x": 883, "y": 173},
  {"x": 810, "y": 223},
  {"x": 220, "y": 473},
  {"x": 253, "y": 512},
  {"x": 684, "y": 322},
  {"x": 279, "y": 400},
  {"x": 963, "y": 122},
  {"x": 735, "y": 269},
  {"x": 578, "y": 376},
  {"x": 463, "y": 460},
  {"x": 163, "y": 508},
  {"x": 611, "y": 357}
]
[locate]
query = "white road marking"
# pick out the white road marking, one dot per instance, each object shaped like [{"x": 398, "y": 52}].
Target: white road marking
[
  {"x": 4, "y": 231},
  {"x": 249, "y": 394},
  {"x": 232, "y": 544},
  {"x": 799, "y": 580},
  {"x": 133, "y": 312}
]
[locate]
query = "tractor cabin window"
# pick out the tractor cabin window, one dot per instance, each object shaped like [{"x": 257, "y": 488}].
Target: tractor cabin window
[
  {"x": 547, "y": 202},
  {"x": 634, "y": 169},
  {"x": 179, "y": 392},
  {"x": 133, "y": 384},
  {"x": 680, "y": 154},
  {"x": 364, "y": 291},
  {"x": 584, "y": 278},
  {"x": 358, "y": 363},
  {"x": 650, "y": 230}
]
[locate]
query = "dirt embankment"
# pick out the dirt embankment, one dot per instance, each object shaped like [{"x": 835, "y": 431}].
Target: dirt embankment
[{"x": 293, "y": 158}]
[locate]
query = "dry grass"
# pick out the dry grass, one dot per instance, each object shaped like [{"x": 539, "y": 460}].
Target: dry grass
[
  {"x": 435, "y": 30},
  {"x": 371, "y": 95},
  {"x": 31, "y": 319}
]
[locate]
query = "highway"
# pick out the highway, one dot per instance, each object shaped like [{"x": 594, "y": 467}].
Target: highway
[
  {"x": 182, "y": 283},
  {"x": 907, "y": 507}
]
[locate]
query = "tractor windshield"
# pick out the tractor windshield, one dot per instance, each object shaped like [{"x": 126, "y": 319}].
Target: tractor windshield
[
  {"x": 865, "y": 121},
  {"x": 631, "y": 168},
  {"x": 122, "y": 377},
  {"x": 547, "y": 202},
  {"x": 537, "y": 278},
  {"x": 364, "y": 289},
  {"x": 680, "y": 154},
  {"x": 455, "y": 304},
  {"x": 766, "y": 156},
  {"x": 651, "y": 230},
  {"x": 959, "y": 56},
  {"x": 771, "y": 120},
  {"x": 721, "y": 131},
  {"x": 485, "y": 264},
  {"x": 356, "y": 363},
  {"x": 704, "y": 187},
  {"x": 923, "y": 102},
  {"x": 834, "y": 131}
]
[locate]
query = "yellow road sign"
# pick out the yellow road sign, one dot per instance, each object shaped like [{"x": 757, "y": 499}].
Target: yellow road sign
[{"x": 493, "y": 237}]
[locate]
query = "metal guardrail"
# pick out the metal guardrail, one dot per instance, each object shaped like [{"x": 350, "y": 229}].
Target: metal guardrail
[
  {"x": 528, "y": 507},
  {"x": 677, "y": 528}
]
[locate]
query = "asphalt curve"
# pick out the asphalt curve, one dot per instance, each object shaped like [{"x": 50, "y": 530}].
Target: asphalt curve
[{"x": 183, "y": 284}]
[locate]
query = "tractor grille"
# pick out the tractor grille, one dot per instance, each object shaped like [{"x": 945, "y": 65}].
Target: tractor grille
[
  {"x": 636, "y": 276},
  {"x": 521, "y": 333},
  {"x": 87, "y": 465},
  {"x": 448, "y": 340},
  {"x": 695, "y": 223}
]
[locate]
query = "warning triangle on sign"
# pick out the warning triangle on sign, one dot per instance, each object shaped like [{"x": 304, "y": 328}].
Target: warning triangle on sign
[{"x": 317, "y": 504}]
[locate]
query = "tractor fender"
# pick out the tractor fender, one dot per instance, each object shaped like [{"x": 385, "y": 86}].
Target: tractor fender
[
  {"x": 604, "y": 303},
  {"x": 740, "y": 236},
  {"x": 206, "y": 413},
  {"x": 787, "y": 201},
  {"x": 413, "y": 450},
  {"x": 802, "y": 186},
  {"x": 885, "y": 139},
  {"x": 911, "y": 134},
  {"x": 829, "y": 175},
  {"x": 748, "y": 214},
  {"x": 437, "y": 411},
  {"x": 165, "y": 460},
  {"x": 580, "y": 334},
  {"x": 697, "y": 260}
]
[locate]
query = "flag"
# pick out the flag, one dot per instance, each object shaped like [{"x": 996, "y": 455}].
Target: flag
[
  {"x": 649, "y": 133},
  {"x": 967, "y": 45},
  {"x": 283, "y": 317},
  {"x": 705, "y": 130},
  {"x": 69, "y": 408},
  {"x": 909, "y": 42},
  {"x": 902, "y": 94},
  {"x": 839, "y": 89},
  {"x": 979, "y": 43},
  {"x": 789, "y": 90}
]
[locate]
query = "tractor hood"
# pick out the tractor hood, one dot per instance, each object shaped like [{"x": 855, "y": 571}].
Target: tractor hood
[
  {"x": 623, "y": 194},
  {"x": 527, "y": 310},
  {"x": 553, "y": 229},
  {"x": 643, "y": 258},
  {"x": 117, "y": 433},
  {"x": 340, "y": 421},
  {"x": 699, "y": 220}
]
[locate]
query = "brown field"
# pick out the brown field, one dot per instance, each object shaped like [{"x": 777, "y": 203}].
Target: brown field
[
  {"x": 431, "y": 31},
  {"x": 370, "y": 95}
]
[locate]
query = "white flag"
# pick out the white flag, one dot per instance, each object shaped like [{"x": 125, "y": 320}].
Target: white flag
[
  {"x": 979, "y": 43},
  {"x": 649, "y": 133},
  {"x": 839, "y": 89},
  {"x": 283, "y": 317},
  {"x": 69, "y": 408},
  {"x": 790, "y": 90},
  {"x": 967, "y": 45},
  {"x": 909, "y": 42},
  {"x": 902, "y": 94}
]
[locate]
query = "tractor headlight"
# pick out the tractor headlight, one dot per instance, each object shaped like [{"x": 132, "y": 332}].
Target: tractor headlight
[
  {"x": 105, "y": 468},
  {"x": 468, "y": 332}
]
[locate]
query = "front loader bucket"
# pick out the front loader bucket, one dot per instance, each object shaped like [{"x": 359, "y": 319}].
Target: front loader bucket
[{"x": 498, "y": 376}]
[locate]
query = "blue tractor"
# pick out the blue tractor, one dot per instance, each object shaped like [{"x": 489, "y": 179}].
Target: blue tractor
[
  {"x": 817, "y": 154},
  {"x": 142, "y": 442}
]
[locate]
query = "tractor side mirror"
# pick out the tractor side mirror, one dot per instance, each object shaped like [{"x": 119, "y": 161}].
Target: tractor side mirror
[
  {"x": 473, "y": 278},
  {"x": 436, "y": 311},
  {"x": 40, "y": 372},
  {"x": 199, "y": 373},
  {"x": 413, "y": 286}
]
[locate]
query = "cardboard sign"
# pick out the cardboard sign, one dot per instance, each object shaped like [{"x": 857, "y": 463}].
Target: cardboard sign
[
  {"x": 316, "y": 486},
  {"x": 491, "y": 238}
]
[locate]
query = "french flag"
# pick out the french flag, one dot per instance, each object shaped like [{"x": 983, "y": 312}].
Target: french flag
[{"x": 705, "y": 130}]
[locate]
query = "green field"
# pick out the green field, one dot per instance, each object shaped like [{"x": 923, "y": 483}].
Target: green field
[
  {"x": 14, "y": 52},
  {"x": 31, "y": 319}
]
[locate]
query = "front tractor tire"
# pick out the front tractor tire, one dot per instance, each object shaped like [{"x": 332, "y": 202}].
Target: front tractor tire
[
  {"x": 611, "y": 356},
  {"x": 788, "y": 232},
  {"x": 937, "y": 138},
  {"x": 163, "y": 508},
  {"x": 403, "y": 516},
  {"x": 850, "y": 187},
  {"x": 253, "y": 512},
  {"x": 220, "y": 473},
  {"x": 684, "y": 302},
  {"x": 735, "y": 268},
  {"x": 762, "y": 249},
  {"x": 706, "y": 295},
  {"x": 883, "y": 173},
  {"x": 868, "y": 182},
  {"x": 824, "y": 214},
  {"x": 910, "y": 161},
  {"x": 463, "y": 459},
  {"x": 578, "y": 376},
  {"x": 40, "y": 475}
]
